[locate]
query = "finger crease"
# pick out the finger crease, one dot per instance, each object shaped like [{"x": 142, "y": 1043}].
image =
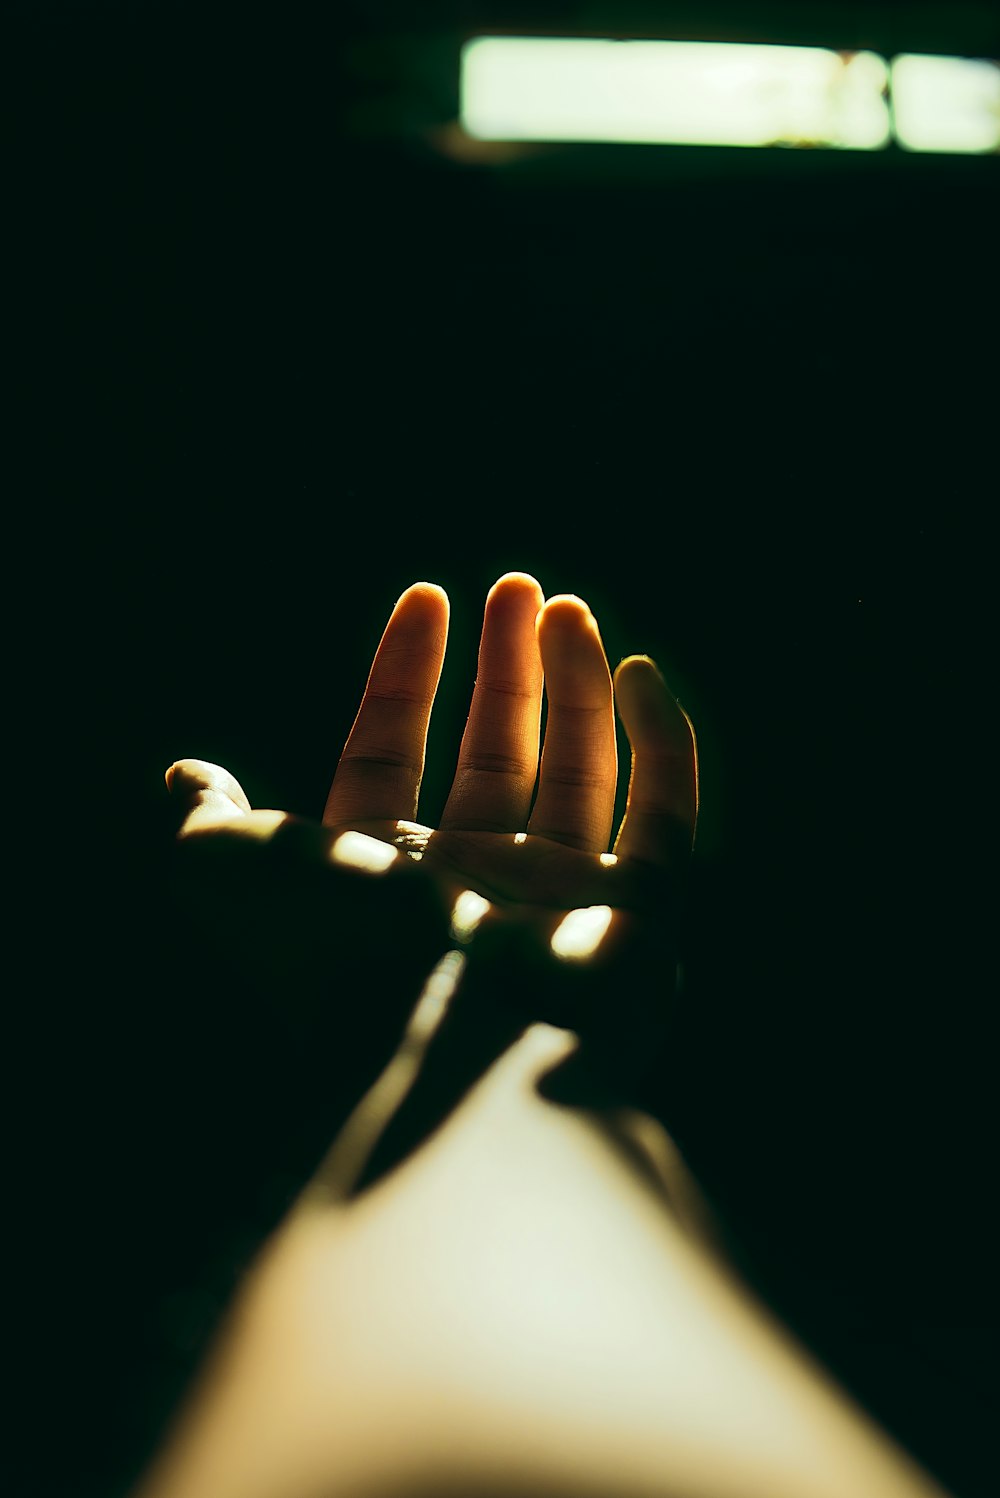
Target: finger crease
[
  {"x": 494, "y": 764},
  {"x": 578, "y": 710},
  {"x": 587, "y": 779},
  {"x": 505, "y": 689},
  {"x": 395, "y": 694},
  {"x": 385, "y": 757}
]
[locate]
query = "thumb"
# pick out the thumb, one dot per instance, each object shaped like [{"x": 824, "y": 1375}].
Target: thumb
[{"x": 206, "y": 795}]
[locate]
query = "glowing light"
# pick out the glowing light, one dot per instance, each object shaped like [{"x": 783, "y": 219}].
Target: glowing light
[
  {"x": 356, "y": 850},
  {"x": 435, "y": 996},
  {"x": 466, "y": 914},
  {"x": 345, "y": 1160},
  {"x": 696, "y": 93},
  {"x": 946, "y": 103},
  {"x": 581, "y": 932}
]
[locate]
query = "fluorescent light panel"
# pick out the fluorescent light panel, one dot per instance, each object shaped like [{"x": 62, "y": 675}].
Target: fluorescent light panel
[
  {"x": 946, "y": 103},
  {"x": 717, "y": 93},
  {"x": 695, "y": 93}
]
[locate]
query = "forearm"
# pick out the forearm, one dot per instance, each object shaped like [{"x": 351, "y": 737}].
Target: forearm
[{"x": 517, "y": 1299}]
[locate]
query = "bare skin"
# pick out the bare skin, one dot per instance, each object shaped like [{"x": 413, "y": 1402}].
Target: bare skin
[
  {"x": 519, "y": 1307},
  {"x": 377, "y": 782}
]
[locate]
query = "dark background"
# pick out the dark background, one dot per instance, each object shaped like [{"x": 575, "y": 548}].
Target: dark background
[{"x": 275, "y": 357}]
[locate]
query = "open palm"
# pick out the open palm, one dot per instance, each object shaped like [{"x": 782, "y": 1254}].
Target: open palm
[{"x": 527, "y": 826}]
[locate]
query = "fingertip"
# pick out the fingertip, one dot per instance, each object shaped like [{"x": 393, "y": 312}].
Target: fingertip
[
  {"x": 191, "y": 777},
  {"x": 431, "y": 593},
  {"x": 423, "y": 611},
  {"x": 560, "y": 601},
  {"x": 640, "y": 666},
  {"x": 192, "y": 774},
  {"x": 518, "y": 583},
  {"x": 564, "y": 609},
  {"x": 638, "y": 680},
  {"x": 648, "y": 709}
]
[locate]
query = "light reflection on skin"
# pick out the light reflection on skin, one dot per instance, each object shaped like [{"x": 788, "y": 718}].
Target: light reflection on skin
[
  {"x": 467, "y": 912},
  {"x": 580, "y": 933},
  {"x": 356, "y": 850}
]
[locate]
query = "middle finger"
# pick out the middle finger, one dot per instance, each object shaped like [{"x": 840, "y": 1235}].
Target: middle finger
[{"x": 498, "y": 760}]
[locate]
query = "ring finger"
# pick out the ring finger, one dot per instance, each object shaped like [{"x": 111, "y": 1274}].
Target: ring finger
[
  {"x": 380, "y": 770},
  {"x": 579, "y": 769}
]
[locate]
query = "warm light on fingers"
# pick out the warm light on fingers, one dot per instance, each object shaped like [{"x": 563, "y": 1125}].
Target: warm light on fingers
[
  {"x": 356, "y": 850},
  {"x": 580, "y": 933},
  {"x": 202, "y": 783}
]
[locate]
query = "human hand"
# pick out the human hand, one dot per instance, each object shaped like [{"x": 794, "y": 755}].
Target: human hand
[{"x": 533, "y": 855}]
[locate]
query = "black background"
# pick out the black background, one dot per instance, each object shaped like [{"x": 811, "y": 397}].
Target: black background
[{"x": 275, "y": 357}]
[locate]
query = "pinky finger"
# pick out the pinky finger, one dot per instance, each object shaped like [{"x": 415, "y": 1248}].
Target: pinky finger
[{"x": 662, "y": 809}]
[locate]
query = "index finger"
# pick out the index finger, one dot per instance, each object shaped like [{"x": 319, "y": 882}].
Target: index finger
[{"x": 380, "y": 770}]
